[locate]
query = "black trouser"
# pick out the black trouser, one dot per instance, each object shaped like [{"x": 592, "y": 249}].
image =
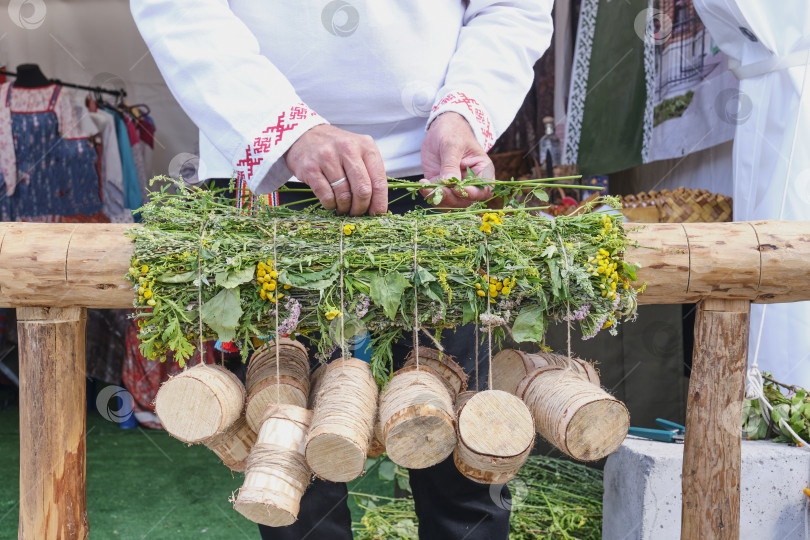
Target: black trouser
[{"x": 449, "y": 506}]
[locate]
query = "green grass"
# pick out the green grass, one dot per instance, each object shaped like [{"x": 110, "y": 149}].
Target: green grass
[{"x": 145, "y": 484}]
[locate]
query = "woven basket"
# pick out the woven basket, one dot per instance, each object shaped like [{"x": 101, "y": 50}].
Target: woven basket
[{"x": 679, "y": 206}]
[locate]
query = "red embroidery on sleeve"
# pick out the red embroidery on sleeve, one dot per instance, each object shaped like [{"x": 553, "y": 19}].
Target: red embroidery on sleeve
[
  {"x": 477, "y": 111},
  {"x": 275, "y": 134}
]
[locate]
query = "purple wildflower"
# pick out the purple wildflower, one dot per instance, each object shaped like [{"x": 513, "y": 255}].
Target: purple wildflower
[
  {"x": 362, "y": 306},
  {"x": 291, "y": 322},
  {"x": 326, "y": 355},
  {"x": 580, "y": 313},
  {"x": 596, "y": 327}
]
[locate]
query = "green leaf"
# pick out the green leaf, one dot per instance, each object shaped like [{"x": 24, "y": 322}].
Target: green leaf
[
  {"x": 752, "y": 426},
  {"x": 222, "y": 313},
  {"x": 313, "y": 281},
  {"x": 629, "y": 270},
  {"x": 386, "y": 291},
  {"x": 554, "y": 274},
  {"x": 404, "y": 482},
  {"x": 549, "y": 251},
  {"x": 171, "y": 330},
  {"x": 233, "y": 278},
  {"x": 177, "y": 278},
  {"x": 370, "y": 462},
  {"x": 468, "y": 311},
  {"x": 529, "y": 325},
  {"x": 422, "y": 276},
  {"x": 387, "y": 470}
]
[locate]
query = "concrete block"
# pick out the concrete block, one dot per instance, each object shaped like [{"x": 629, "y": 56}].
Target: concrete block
[{"x": 642, "y": 499}]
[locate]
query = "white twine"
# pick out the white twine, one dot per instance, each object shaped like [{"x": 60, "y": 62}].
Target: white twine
[
  {"x": 278, "y": 338},
  {"x": 415, "y": 298}
]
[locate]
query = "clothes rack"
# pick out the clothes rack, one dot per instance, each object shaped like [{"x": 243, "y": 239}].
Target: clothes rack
[{"x": 119, "y": 92}]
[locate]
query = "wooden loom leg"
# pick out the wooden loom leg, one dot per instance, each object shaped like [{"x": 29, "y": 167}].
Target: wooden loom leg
[
  {"x": 712, "y": 444},
  {"x": 53, "y": 492}
]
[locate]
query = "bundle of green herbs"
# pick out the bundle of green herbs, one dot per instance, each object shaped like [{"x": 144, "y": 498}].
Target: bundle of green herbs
[
  {"x": 205, "y": 270},
  {"x": 791, "y": 406},
  {"x": 550, "y": 498}
]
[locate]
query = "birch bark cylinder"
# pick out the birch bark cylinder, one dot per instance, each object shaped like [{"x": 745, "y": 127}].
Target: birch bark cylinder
[
  {"x": 277, "y": 474},
  {"x": 576, "y": 416},
  {"x": 234, "y": 444},
  {"x": 343, "y": 420},
  {"x": 264, "y": 388},
  {"x": 510, "y": 366},
  {"x": 200, "y": 402},
  {"x": 495, "y": 436},
  {"x": 444, "y": 364},
  {"x": 417, "y": 417}
]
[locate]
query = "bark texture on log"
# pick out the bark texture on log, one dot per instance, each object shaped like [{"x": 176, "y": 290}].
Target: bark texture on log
[
  {"x": 712, "y": 459},
  {"x": 53, "y": 493},
  {"x": 66, "y": 265}
]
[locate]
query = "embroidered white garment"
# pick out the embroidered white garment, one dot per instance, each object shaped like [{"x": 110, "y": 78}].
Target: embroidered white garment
[{"x": 254, "y": 76}]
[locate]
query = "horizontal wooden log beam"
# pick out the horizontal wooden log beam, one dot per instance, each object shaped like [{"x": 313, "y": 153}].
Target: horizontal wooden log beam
[{"x": 83, "y": 265}]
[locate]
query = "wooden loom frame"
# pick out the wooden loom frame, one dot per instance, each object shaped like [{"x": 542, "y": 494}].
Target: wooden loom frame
[{"x": 52, "y": 272}]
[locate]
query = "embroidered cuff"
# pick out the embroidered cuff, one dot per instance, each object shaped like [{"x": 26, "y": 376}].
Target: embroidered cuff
[
  {"x": 472, "y": 111},
  {"x": 261, "y": 165}
]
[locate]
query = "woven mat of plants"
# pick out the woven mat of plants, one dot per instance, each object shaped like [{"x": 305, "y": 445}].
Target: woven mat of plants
[
  {"x": 204, "y": 269},
  {"x": 550, "y": 498}
]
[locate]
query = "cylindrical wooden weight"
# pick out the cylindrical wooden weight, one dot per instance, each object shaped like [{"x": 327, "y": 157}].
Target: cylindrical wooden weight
[
  {"x": 510, "y": 366},
  {"x": 234, "y": 444},
  {"x": 463, "y": 398},
  {"x": 343, "y": 420},
  {"x": 495, "y": 437},
  {"x": 444, "y": 365},
  {"x": 277, "y": 474},
  {"x": 417, "y": 417},
  {"x": 266, "y": 384},
  {"x": 315, "y": 385},
  {"x": 377, "y": 447},
  {"x": 574, "y": 415},
  {"x": 200, "y": 402}
]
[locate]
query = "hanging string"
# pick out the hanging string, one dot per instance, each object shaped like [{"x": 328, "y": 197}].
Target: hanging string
[
  {"x": 415, "y": 296},
  {"x": 476, "y": 355},
  {"x": 278, "y": 338},
  {"x": 199, "y": 293},
  {"x": 342, "y": 305},
  {"x": 568, "y": 288},
  {"x": 489, "y": 321}
]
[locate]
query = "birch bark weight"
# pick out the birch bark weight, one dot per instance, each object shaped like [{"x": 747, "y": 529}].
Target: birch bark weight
[
  {"x": 574, "y": 415},
  {"x": 200, "y": 402},
  {"x": 53, "y": 493},
  {"x": 495, "y": 436},
  {"x": 234, "y": 444},
  {"x": 342, "y": 422},
  {"x": 277, "y": 474},
  {"x": 267, "y": 384},
  {"x": 510, "y": 366},
  {"x": 417, "y": 417}
]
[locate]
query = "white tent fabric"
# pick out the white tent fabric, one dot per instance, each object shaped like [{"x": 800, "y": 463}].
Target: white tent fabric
[
  {"x": 770, "y": 43},
  {"x": 90, "y": 42}
]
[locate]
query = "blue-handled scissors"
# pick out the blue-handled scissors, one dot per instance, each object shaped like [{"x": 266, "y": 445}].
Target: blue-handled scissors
[{"x": 671, "y": 432}]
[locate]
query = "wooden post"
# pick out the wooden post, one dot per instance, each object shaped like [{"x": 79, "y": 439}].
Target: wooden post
[
  {"x": 53, "y": 496},
  {"x": 711, "y": 458}
]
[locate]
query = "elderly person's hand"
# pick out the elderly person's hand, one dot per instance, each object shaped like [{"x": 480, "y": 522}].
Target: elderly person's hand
[
  {"x": 343, "y": 169},
  {"x": 448, "y": 149}
]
